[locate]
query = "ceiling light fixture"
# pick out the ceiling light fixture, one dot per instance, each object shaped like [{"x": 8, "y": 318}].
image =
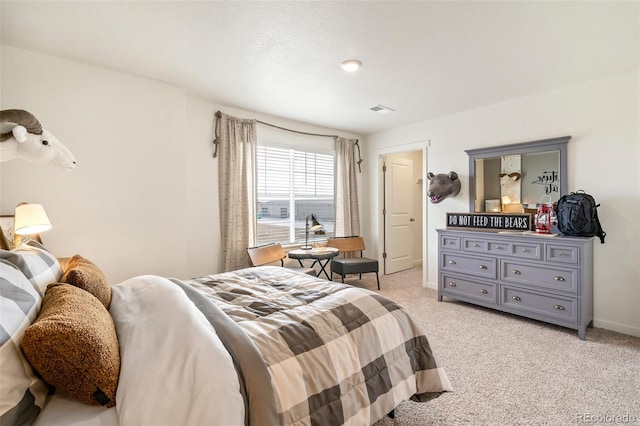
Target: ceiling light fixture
[
  {"x": 351, "y": 65},
  {"x": 382, "y": 109}
]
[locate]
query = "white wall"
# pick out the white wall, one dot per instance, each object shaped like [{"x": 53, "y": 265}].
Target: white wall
[
  {"x": 122, "y": 206},
  {"x": 144, "y": 197},
  {"x": 603, "y": 118}
]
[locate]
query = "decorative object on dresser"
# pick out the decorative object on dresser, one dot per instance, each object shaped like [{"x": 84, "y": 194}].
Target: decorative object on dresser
[
  {"x": 578, "y": 216},
  {"x": 550, "y": 280},
  {"x": 491, "y": 221},
  {"x": 545, "y": 215},
  {"x": 442, "y": 186}
]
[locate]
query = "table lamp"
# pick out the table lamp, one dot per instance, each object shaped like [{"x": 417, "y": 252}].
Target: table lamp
[
  {"x": 29, "y": 219},
  {"x": 315, "y": 225}
]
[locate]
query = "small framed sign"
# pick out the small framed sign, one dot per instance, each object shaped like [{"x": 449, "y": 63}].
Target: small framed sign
[{"x": 491, "y": 221}]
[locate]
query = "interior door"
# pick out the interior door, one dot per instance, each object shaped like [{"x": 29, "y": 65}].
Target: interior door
[{"x": 398, "y": 202}]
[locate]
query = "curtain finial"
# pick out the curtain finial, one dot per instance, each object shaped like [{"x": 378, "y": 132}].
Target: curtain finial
[
  {"x": 359, "y": 157},
  {"x": 216, "y": 132}
]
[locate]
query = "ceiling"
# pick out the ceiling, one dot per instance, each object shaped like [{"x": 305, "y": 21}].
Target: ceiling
[{"x": 424, "y": 59}]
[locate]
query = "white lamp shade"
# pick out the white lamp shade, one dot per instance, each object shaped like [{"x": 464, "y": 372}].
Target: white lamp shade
[{"x": 31, "y": 219}]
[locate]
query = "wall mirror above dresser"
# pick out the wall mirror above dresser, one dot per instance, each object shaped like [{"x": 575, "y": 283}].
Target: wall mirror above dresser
[{"x": 511, "y": 178}]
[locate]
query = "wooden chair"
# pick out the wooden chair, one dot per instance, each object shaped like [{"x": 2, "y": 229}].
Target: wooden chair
[
  {"x": 272, "y": 252},
  {"x": 343, "y": 265}
]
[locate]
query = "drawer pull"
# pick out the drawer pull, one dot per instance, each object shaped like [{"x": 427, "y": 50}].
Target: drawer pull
[
  {"x": 452, "y": 284},
  {"x": 451, "y": 242},
  {"x": 499, "y": 248},
  {"x": 483, "y": 266},
  {"x": 516, "y": 272},
  {"x": 516, "y": 298},
  {"x": 452, "y": 262},
  {"x": 524, "y": 250},
  {"x": 558, "y": 307},
  {"x": 476, "y": 245},
  {"x": 558, "y": 278},
  {"x": 483, "y": 291},
  {"x": 561, "y": 253}
]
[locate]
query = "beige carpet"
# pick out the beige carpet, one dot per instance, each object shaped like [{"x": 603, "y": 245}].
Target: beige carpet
[{"x": 509, "y": 370}]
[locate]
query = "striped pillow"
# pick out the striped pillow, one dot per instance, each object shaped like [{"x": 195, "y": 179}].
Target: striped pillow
[
  {"x": 22, "y": 394},
  {"x": 39, "y": 266}
]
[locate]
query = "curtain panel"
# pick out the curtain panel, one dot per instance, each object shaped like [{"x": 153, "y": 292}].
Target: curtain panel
[
  {"x": 237, "y": 140},
  {"x": 346, "y": 188}
]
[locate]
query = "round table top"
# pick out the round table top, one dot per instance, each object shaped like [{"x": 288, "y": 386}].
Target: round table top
[{"x": 314, "y": 253}]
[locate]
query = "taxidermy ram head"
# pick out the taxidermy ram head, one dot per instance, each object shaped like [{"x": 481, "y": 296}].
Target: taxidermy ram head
[{"x": 22, "y": 136}]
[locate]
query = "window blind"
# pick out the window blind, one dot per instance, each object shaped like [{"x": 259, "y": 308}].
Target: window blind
[{"x": 291, "y": 185}]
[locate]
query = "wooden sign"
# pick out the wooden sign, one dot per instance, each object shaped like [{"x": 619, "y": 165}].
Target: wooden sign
[{"x": 498, "y": 221}]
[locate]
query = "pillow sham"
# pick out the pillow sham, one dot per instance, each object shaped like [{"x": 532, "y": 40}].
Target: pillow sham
[
  {"x": 39, "y": 266},
  {"x": 73, "y": 345},
  {"x": 84, "y": 274},
  {"x": 22, "y": 393}
]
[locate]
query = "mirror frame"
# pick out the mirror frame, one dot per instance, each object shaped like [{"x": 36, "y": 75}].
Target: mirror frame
[{"x": 543, "y": 145}]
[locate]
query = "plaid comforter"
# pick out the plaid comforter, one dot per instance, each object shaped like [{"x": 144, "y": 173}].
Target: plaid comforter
[{"x": 317, "y": 352}]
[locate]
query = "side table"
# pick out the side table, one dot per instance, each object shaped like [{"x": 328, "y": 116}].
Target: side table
[{"x": 321, "y": 255}]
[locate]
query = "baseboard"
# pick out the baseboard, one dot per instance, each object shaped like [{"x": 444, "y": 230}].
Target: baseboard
[
  {"x": 619, "y": 328},
  {"x": 432, "y": 286}
]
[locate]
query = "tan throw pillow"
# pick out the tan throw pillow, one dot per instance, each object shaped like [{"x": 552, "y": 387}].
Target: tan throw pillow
[
  {"x": 74, "y": 347},
  {"x": 84, "y": 274}
]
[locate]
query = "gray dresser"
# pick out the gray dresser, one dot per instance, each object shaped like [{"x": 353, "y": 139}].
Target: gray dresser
[{"x": 545, "y": 278}]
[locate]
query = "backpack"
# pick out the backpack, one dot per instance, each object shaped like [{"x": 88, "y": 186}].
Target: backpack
[{"x": 578, "y": 216}]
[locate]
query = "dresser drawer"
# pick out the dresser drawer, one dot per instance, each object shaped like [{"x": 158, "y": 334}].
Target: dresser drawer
[
  {"x": 468, "y": 264},
  {"x": 474, "y": 245},
  {"x": 499, "y": 247},
  {"x": 527, "y": 250},
  {"x": 562, "y": 254},
  {"x": 453, "y": 285},
  {"x": 549, "y": 305},
  {"x": 450, "y": 242},
  {"x": 541, "y": 275}
]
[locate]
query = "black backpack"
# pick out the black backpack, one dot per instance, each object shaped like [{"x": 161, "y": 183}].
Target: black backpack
[{"x": 578, "y": 216}]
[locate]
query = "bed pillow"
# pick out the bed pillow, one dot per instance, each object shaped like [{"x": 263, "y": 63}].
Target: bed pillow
[
  {"x": 39, "y": 266},
  {"x": 73, "y": 345},
  {"x": 22, "y": 393},
  {"x": 84, "y": 274}
]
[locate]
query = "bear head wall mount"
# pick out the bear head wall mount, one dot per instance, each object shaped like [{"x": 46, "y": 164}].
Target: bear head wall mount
[{"x": 442, "y": 186}]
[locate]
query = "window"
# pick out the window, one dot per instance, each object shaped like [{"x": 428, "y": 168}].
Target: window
[{"x": 293, "y": 184}]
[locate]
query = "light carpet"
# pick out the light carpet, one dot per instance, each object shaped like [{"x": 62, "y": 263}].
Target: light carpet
[{"x": 508, "y": 370}]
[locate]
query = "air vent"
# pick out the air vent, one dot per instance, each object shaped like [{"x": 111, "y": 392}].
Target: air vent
[{"x": 382, "y": 109}]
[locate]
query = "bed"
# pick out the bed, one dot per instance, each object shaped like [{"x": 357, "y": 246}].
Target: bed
[{"x": 257, "y": 346}]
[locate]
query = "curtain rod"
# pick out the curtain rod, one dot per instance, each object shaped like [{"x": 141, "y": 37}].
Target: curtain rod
[
  {"x": 297, "y": 131},
  {"x": 219, "y": 115}
]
